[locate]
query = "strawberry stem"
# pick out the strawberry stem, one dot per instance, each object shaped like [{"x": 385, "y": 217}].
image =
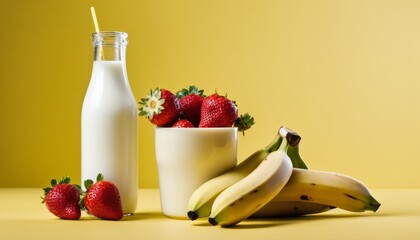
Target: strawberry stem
[{"x": 244, "y": 122}]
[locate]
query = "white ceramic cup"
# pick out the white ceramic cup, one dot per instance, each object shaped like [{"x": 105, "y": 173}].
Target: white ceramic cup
[{"x": 187, "y": 158}]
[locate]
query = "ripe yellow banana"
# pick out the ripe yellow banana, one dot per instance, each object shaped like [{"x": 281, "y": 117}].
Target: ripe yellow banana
[
  {"x": 251, "y": 193},
  {"x": 201, "y": 200},
  {"x": 291, "y": 208},
  {"x": 276, "y": 209},
  {"x": 328, "y": 188}
]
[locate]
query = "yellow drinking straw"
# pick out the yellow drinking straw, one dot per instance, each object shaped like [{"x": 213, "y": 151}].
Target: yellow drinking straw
[{"x": 95, "y": 22}]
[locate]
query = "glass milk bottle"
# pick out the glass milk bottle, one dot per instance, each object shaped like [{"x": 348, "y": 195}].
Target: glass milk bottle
[{"x": 109, "y": 120}]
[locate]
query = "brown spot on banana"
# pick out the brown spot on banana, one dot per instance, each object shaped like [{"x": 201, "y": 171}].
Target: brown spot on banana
[
  {"x": 253, "y": 192},
  {"x": 352, "y": 197},
  {"x": 305, "y": 198}
]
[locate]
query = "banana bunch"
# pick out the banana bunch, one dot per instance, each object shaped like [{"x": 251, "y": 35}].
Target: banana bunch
[
  {"x": 276, "y": 182},
  {"x": 243, "y": 198},
  {"x": 202, "y": 199}
]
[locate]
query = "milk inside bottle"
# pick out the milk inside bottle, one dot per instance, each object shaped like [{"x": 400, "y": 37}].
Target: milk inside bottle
[{"x": 109, "y": 120}]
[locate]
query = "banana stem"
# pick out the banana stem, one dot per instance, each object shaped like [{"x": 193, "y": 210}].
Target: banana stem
[
  {"x": 288, "y": 141},
  {"x": 297, "y": 161},
  {"x": 275, "y": 144},
  {"x": 293, "y": 148},
  {"x": 284, "y": 145},
  {"x": 292, "y": 137},
  {"x": 285, "y": 141}
]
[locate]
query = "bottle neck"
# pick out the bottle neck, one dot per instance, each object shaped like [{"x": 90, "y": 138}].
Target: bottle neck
[
  {"x": 109, "y": 53},
  {"x": 109, "y": 46}
]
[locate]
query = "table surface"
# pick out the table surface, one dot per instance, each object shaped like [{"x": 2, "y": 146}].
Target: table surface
[{"x": 22, "y": 216}]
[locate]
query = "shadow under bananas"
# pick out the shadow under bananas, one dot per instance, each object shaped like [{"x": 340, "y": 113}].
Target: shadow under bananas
[
  {"x": 306, "y": 218},
  {"x": 255, "y": 223}
]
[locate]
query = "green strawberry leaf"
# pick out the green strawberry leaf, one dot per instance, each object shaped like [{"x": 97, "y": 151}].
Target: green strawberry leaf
[
  {"x": 46, "y": 191},
  {"x": 79, "y": 188},
  {"x": 53, "y": 182},
  {"x": 65, "y": 180},
  {"x": 82, "y": 204},
  {"x": 191, "y": 90},
  {"x": 244, "y": 122},
  {"x": 100, "y": 177},
  {"x": 88, "y": 183}
]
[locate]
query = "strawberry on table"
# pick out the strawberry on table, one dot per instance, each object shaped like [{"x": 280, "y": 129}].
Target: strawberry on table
[
  {"x": 62, "y": 199},
  {"x": 183, "y": 123},
  {"x": 190, "y": 103},
  {"x": 102, "y": 199},
  {"x": 161, "y": 107}
]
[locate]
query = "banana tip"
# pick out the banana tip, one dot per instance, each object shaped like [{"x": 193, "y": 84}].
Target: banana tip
[
  {"x": 373, "y": 204},
  {"x": 192, "y": 215},
  {"x": 213, "y": 222},
  {"x": 375, "y": 207}
]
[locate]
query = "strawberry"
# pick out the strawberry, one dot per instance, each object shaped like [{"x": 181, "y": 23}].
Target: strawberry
[
  {"x": 161, "y": 107},
  {"x": 217, "y": 111},
  {"x": 63, "y": 199},
  {"x": 183, "y": 123},
  {"x": 190, "y": 101},
  {"x": 102, "y": 199}
]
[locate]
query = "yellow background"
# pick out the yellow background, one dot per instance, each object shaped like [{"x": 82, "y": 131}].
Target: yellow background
[{"x": 344, "y": 74}]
